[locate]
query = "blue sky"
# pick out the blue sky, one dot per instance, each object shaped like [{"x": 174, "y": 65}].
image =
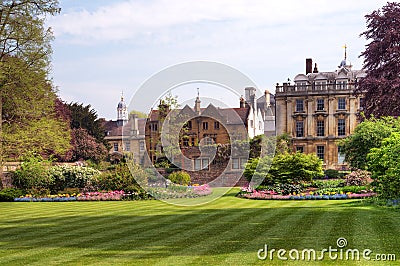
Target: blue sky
[{"x": 105, "y": 47}]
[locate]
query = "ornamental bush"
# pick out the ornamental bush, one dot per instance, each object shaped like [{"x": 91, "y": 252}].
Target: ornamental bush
[
  {"x": 357, "y": 178},
  {"x": 180, "y": 177},
  {"x": 122, "y": 177},
  {"x": 287, "y": 168},
  {"x": 66, "y": 176},
  {"x": 9, "y": 194},
  {"x": 33, "y": 173}
]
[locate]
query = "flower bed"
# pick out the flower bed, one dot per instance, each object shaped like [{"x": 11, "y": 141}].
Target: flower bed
[
  {"x": 272, "y": 195},
  {"x": 174, "y": 191}
]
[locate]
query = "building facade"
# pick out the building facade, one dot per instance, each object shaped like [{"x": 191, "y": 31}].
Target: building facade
[
  {"x": 318, "y": 110},
  {"x": 126, "y": 135}
]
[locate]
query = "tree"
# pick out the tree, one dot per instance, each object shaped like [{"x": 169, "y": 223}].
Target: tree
[
  {"x": 287, "y": 168},
  {"x": 85, "y": 117},
  {"x": 383, "y": 162},
  {"x": 367, "y": 135},
  {"x": 85, "y": 147},
  {"x": 24, "y": 45},
  {"x": 382, "y": 62}
]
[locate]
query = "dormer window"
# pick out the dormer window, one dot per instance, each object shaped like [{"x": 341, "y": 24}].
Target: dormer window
[
  {"x": 301, "y": 85},
  {"x": 341, "y": 85},
  {"x": 320, "y": 85}
]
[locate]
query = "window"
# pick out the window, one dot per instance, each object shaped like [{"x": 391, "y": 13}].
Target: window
[
  {"x": 141, "y": 146},
  {"x": 301, "y": 86},
  {"x": 320, "y": 85},
  {"x": 341, "y": 85},
  {"x": 340, "y": 156},
  {"x": 238, "y": 163},
  {"x": 193, "y": 141},
  {"x": 320, "y": 104},
  {"x": 299, "y": 105},
  {"x": 361, "y": 105},
  {"x": 235, "y": 163},
  {"x": 205, "y": 163},
  {"x": 216, "y": 125},
  {"x": 153, "y": 127},
  {"x": 300, "y": 149},
  {"x": 205, "y": 125},
  {"x": 321, "y": 152},
  {"x": 299, "y": 129},
  {"x": 201, "y": 164},
  {"x": 189, "y": 124},
  {"x": 341, "y": 103},
  {"x": 185, "y": 141},
  {"x": 209, "y": 139},
  {"x": 259, "y": 125},
  {"x": 127, "y": 146},
  {"x": 115, "y": 146},
  {"x": 341, "y": 127},
  {"x": 320, "y": 128},
  {"x": 197, "y": 164},
  {"x": 251, "y": 124}
]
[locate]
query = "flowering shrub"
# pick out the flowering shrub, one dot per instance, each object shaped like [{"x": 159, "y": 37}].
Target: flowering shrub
[
  {"x": 303, "y": 196},
  {"x": 95, "y": 196},
  {"x": 65, "y": 176},
  {"x": 176, "y": 191},
  {"x": 358, "y": 178}
]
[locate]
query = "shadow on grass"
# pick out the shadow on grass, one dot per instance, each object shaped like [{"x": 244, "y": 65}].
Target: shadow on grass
[{"x": 202, "y": 232}]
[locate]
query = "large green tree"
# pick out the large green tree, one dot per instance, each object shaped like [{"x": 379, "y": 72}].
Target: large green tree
[
  {"x": 367, "y": 135},
  {"x": 383, "y": 162},
  {"x": 27, "y": 117},
  {"x": 382, "y": 62}
]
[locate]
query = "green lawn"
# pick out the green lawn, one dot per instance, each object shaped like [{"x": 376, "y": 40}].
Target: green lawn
[{"x": 227, "y": 231}]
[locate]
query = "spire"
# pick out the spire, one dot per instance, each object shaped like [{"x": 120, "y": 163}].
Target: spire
[
  {"x": 122, "y": 110},
  {"x": 345, "y": 52},
  {"x": 197, "y": 102}
]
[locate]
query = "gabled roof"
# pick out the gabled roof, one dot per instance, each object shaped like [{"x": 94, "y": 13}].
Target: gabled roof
[{"x": 211, "y": 111}]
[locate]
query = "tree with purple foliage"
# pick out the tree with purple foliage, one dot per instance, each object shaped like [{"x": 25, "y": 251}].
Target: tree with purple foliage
[{"x": 382, "y": 62}]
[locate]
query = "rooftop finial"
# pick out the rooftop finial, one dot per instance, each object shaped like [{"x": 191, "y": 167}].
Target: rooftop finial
[
  {"x": 198, "y": 92},
  {"x": 345, "y": 52},
  {"x": 122, "y": 95}
]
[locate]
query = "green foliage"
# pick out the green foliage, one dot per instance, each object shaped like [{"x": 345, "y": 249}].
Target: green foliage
[
  {"x": 26, "y": 93},
  {"x": 284, "y": 168},
  {"x": 257, "y": 170},
  {"x": 65, "y": 176},
  {"x": 138, "y": 113},
  {"x": 345, "y": 189},
  {"x": 296, "y": 167},
  {"x": 383, "y": 162},
  {"x": 357, "y": 178},
  {"x": 180, "y": 177},
  {"x": 322, "y": 184},
  {"x": 367, "y": 135},
  {"x": 123, "y": 177},
  {"x": 33, "y": 173},
  {"x": 9, "y": 194},
  {"x": 332, "y": 173},
  {"x": 283, "y": 144},
  {"x": 84, "y": 117}
]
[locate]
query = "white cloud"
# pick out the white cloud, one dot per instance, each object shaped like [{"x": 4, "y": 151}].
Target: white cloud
[{"x": 129, "y": 19}]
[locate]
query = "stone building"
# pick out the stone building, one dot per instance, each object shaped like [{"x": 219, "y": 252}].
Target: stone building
[
  {"x": 319, "y": 109},
  {"x": 126, "y": 134}
]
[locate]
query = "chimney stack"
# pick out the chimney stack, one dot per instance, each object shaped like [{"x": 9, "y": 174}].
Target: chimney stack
[{"x": 308, "y": 65}]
